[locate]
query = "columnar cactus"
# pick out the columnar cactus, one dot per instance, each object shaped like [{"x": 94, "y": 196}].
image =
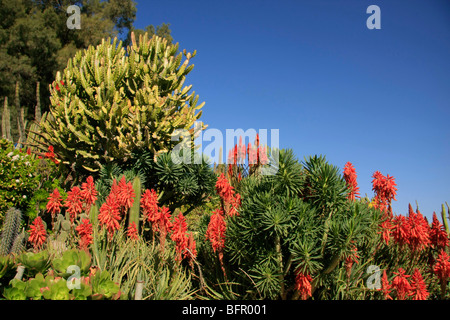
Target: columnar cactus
[
  {"x": 110, "y": 101},
  {"x": 11, "y": 226}
]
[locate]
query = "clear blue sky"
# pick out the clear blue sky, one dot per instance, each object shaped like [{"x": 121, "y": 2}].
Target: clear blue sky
[{"x": 313, "y": 70}]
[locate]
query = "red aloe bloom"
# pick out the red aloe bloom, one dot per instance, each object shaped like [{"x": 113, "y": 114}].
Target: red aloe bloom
[
  {"x": 179, "y": 235},
  {"x": 230, "y": 200},
  {"x": 385, "y": 191},
  {"x": 88, "y": 192},
  {"x": 438, "y": 235},
  {"x": 400, "y": 230},
  {"x": 125, "y": 194},
  {"x": 303, "y": 285},
  {"x": 149, "y": 205},
  {"x": 442, "y": 267},
  {"x": 419, "y": 231},
  {"x": 74, "y": 203},
  {"x": 350, "y": 178},
  {"x": 37, "y": 232},
  {"x": 216, "y": 230},
  {"x": 109, "y": 214},
  {"x": 385, "y": 286},
  {"x": 54, "y": 203},
  {"x": 401, "y": 284},
  {"x": 418, "y": 286},
  {"x": 85, "y": 232},
  {"x": 224, "y": 189},
  {"x": 132, "y": 232},
  {"x": 386, "y": 230}
]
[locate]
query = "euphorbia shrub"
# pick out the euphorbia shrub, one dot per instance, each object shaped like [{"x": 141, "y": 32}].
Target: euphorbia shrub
[{"x": 295, "y": 230}]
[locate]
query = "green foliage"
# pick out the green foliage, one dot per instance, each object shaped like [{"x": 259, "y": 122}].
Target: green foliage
[
  {"x": 297, "y": 220},
  {"x": 6, "y": 263},
  {"x": 112, "y": 101},
  {"x": 35, "y": 262},
  {"x": 129, "y": 261},
  {"x": 92, "y": 287},
  {"x": 25, "y": 181},
  {"x": 36, "y": 41},
  {"x": 18, "y": 178},
  {"x": 73, "y": 257}
]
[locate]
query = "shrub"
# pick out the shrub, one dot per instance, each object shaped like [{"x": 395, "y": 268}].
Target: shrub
[{"x": 110, "y": 101}]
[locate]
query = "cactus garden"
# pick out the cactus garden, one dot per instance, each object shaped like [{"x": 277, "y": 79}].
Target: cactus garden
[{"x": 94, "y": 205}]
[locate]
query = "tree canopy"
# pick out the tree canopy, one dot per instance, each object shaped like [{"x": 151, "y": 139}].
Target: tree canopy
[{"x": 35, "y": 41}]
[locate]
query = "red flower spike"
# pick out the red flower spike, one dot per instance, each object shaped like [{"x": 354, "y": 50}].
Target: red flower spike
[
  {"x": 418, "y": 286},
  {"x": 125, "y": 194},
  {"x": 401, "y": 284},
  {"x": 442, "y": 267},
  {"x": 37, "y": 232},
  {"x": 54, "y": 203},
  {"x": 385, "y": 286},
  {"x": 216, "y": 230},
  {"x": 109, "y": 215},
  {"x": 74, "y": 203},
  {"x": 149, "y": 205},
  {"x": 132, "y": 232},
  {"x": 85, "y": 232},
  {"x": 419, "y": 231},
  {"x": 350, "y": 178},
  {"x": 303, "y": 285},
  {"x": 386, "y": 230},
  {"x": 88, "y": 192},
  {"x": 438, "y": 235},
  {"x": 400, "y": 230}
]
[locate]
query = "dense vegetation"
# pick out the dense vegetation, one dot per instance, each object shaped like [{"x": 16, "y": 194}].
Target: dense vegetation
[{"x": 94, "y": 206}]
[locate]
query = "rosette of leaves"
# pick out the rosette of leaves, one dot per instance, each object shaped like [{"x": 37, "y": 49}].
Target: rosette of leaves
[
  {"x": 35, "y": 262},
  {"x": 110, "y": 101},
  {"x": 73, "y": 257},
  {"x": 297, "y": 220}
]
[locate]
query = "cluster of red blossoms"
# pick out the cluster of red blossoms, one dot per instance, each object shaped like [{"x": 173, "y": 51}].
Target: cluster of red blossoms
[
  {"x": 230, "y": 202},
  {"x": 303, "y": 285},
  {"x": 160, "y": 220},
  {"x": 119, "y": 200},
  {"x": 416, "y": 288},
  {"x": 37, "y": 232},
  {"x": 385, "y": 191},
  {"x": 350, "y": 179},
  {"x": 414, "y": 231},
  {"x": 256, "y": 155}
]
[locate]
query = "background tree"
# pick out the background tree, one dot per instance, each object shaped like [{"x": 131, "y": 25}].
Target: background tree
[{"x": 35, "y": 42}]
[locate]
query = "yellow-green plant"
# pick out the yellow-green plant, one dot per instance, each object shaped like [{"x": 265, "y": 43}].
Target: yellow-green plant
[{"x": 110, "y": 101}]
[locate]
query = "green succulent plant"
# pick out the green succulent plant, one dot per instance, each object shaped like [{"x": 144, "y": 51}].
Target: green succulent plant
[
  {"x": 35, "y": 262},
  {"x": 73, "y": 257},
  {"x": 16, "y": 291},
  {"x": 110, "y": 101},
  {"x": 103, "y": 287}
]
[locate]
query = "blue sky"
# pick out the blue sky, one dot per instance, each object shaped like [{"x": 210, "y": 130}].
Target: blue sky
[{"x": 312, "y": 69}]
